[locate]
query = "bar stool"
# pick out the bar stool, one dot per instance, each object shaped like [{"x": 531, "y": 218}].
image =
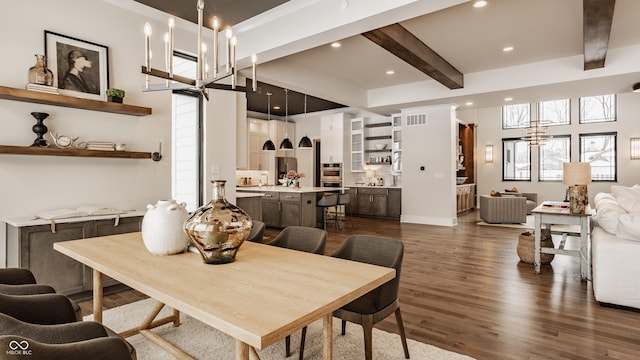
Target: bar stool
[
  {"x": 325, "y": 203},
  {"x": 343, "y": 202}
]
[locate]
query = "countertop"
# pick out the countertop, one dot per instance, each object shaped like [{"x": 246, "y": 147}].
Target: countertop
[
  {"x": 376, "y": 187},
  {"x": 33, "y": 220},
  {"x": 244, "y": 195},
  {"x": 291, "y": 189}
]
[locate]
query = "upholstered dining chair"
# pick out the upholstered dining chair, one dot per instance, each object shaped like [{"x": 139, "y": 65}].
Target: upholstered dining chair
[
  {"x": 103, "y": 348},
  {"x": 381, "y": 302},
  {"x": 50, "y": 319},
  {"x": 257, "y": 231},
  {"x": 21, "y": 281},
  {"x": 306, "y": 239}
]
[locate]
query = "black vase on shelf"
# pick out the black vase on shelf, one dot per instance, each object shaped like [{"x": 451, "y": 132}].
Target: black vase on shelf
[{"x": 40, "y": 129}]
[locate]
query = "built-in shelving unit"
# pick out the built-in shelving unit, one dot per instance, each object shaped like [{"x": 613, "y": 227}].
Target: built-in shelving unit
[
  {"x": 36, "y": 97},
  {"x": 8, "y": 93},
  {"x": 53, "y": 151}
]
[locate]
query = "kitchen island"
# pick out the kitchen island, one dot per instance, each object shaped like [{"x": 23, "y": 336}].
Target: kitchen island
[{"x": 284, "y": 206}]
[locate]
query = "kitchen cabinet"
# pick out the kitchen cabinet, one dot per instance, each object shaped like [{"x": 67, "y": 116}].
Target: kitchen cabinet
[
  {"x": 252, "y": 206},
  {"x": 465, "y": 197},
  {"x": 334, "y": 138},
  {"x": 378, "y": 202},
  {"x": 282, "y": 209},
  {"x": 357, "y": 145},
  {"x": 258, "y": 134},
  {"x": 396, "y": 143},
  {"x": 394, "y": 203},
  {"x": 31, "y": 247},
  {"x": 465, "y": 152},
  {"x": 372, "y": 202}
]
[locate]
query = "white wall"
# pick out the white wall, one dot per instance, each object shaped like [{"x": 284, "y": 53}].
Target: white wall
[
  {"x": 429, "y": 195},
  {"x": 489, "y": 131},
  {"x": 29, "y": 184}
]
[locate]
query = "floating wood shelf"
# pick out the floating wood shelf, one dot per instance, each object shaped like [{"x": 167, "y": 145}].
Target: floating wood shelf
[
  {"x": 381, "y": 137},
  {"x": 374, "y": 150},
  {"x": 378, "y": 125},
  {"x": 9, "y": 93},
  {"x": 38, "y": 150}
]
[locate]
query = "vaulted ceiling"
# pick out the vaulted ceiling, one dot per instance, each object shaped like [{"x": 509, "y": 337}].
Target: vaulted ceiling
[{"x": 451, "y": 54}]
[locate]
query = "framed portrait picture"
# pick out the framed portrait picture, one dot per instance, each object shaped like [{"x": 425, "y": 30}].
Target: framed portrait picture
[{"x": 80, "y": 68}]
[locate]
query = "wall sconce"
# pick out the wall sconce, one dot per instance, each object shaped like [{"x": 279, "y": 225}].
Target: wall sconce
[
  {"x": 488, "y": 153},
  {"x": 635, "y": 148}
]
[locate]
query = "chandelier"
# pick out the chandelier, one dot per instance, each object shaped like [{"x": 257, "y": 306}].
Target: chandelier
[
  {"x": 537, "y": 133},
  {"x": 204, "y": 77}
]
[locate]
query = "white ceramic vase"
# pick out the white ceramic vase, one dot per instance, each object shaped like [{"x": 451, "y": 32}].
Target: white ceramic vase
[{"x": 163, "y": 228}]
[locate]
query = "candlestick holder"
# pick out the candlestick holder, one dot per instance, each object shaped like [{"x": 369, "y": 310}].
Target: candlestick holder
[{"x": 40, "y": 129}]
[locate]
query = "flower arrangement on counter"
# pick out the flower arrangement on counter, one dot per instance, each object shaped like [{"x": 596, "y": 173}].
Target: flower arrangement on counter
[{"x": 293, "y": 178}]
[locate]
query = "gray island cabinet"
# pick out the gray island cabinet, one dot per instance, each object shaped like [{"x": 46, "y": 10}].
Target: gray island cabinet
[
  {"x": 376, "y": 202},
  {"x": 30, "y": 245}
]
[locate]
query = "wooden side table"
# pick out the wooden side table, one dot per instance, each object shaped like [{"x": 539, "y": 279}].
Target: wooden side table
[{"x": 557, "y": 213}]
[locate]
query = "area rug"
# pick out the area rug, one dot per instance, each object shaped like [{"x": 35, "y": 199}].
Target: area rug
[
  {"x": 204, "y": 342},
  {"x": 531, "y": 224}
]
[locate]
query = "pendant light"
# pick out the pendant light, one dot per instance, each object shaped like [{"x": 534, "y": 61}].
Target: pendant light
[
  {"x": 269, "y": 145},
  {"x": 286, "y": 144},
  {"x": 305, "y": 142}
]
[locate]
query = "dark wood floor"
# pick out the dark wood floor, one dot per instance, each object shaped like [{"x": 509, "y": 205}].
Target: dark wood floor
[{"x": 464, "y": 289}]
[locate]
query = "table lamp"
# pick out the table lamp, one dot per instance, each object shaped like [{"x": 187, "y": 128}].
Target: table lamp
[{"x": 577, "y": 175}]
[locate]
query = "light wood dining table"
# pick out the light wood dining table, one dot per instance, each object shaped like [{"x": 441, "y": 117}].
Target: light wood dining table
[{"x": 266, "y": 294}]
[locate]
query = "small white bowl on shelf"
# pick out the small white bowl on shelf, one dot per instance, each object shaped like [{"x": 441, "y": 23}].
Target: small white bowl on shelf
[
  {"x": 461, "y": 179},
  {"x": 381, "y": 146}
]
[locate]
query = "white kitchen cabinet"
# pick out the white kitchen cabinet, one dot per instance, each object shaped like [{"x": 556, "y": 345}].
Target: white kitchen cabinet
[
  {"x": 258, "y": 134},
  {"x": 334, "y": 137},
  {"x": 357, "y": 145},
  {"x": 396, "y": 143}
]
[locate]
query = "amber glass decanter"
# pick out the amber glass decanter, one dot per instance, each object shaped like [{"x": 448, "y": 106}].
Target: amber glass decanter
[{"x": 39, "y": 74}]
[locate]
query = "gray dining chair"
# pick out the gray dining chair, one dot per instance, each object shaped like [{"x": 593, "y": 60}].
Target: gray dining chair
[
  {"x": 381, "y": 302},
  {"x": 327, "y": 202},
  {"x": 308, "y": 239},
  {"x": 257, "y": 232}
]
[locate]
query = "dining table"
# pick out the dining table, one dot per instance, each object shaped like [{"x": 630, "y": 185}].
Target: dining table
[{"x": 264, "y": 295}]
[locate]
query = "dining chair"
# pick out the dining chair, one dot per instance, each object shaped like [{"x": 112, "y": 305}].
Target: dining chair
[
  {"x": 308, "y": 239},
  {"x": 51, "y": 319},
  {"x": 21, "y": 281},
  {"x": 381, "y": 302},
  {"x": 102, "y": 348},
  {"x": 344, "y": 203},
  {"x": 257, "y": 232}
]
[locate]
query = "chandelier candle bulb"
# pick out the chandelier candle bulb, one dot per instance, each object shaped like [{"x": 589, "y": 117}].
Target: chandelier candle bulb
[
  {"x": 166, "y": 56},
  {"x": 254, "y": 82},
  {"x": 204, "y": 60},
  {"x": 172, "y": 25},
  {"x": 147, "y": 52},
  {"x": 233, "y": 59},
  {"x": 229, "y": 35},
  {"x": 215, "y": 47},
  {"x": 200, "y": 54}
]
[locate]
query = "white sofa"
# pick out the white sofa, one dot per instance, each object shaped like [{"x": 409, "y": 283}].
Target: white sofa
[{"x": 615, "y": 246}]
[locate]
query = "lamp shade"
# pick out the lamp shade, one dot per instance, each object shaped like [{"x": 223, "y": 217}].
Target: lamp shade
[
  {"x": 305, "y": 142},
  {"x": 286, "y": 144},
  {"x": 269, "y": 146},
  {"x": 576, "y": 173}
]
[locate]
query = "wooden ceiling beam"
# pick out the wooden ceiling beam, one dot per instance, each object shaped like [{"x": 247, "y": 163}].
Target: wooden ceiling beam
[
  {"x": 403, "y": 44},
  {"x": 597, "y": 17}
]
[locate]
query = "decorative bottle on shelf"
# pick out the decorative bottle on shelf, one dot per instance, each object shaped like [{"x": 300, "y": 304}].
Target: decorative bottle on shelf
[
  {"x": 218, "y": 228},
  {"x": 39, "y": 74}
]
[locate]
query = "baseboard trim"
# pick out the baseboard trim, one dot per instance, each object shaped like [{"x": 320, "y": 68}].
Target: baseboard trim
[{"x": 428, "y": 220}]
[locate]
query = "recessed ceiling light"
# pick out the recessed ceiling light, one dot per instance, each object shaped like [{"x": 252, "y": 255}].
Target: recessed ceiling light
[
  {"x": 508, "y": 99},
  {"x": 469, "y": 103},
  {"x": 335, "y": 44},
  {"x": 507, "y": 48},
  {"x": 390, "y": 72},
  {"x": 479, "y": 4},
  {"x": 276, "y": 107}
]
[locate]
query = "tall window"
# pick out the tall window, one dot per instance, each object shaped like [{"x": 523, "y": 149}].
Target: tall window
[
  {"x": 516, "y": 116},
  {"x": 595, "y": 109},
  {"x": 600, "y": 151},
  {"x": 555, "y": 112},
  {"x": 555, "y": 151},
  {"x": 516, "y": 160},
  {"x": 186, "y": 138}
]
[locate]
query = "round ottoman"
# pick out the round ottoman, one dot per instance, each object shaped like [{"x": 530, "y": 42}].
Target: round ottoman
[{"x": 526, "y": 246}]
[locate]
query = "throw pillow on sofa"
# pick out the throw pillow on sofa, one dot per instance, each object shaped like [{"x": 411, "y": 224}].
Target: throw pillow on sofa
[
  {"x": 627, "y": 192},
  {"x": 630, "y": 205},
  {"x": 607, "y": 216},
  {"x": 629, "y": 227},
  {"x": 602, "y": 196}
]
